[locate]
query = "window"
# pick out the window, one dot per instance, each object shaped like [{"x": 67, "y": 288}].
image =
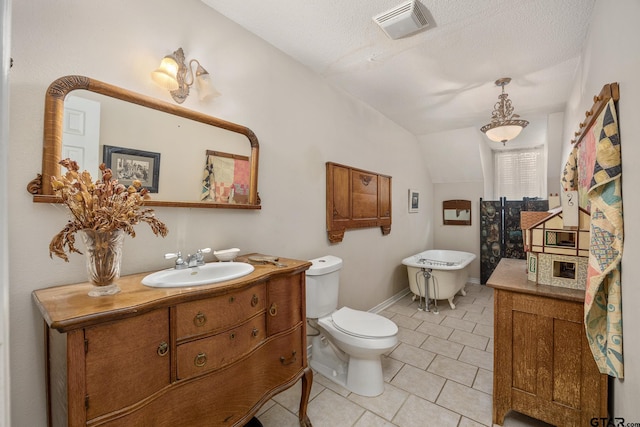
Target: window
[{"x": 519, "y": 173}]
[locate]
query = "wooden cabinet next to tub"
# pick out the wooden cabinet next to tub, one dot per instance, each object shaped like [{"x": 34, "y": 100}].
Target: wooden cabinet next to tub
[
  {"x": 202, "y": 356},
  {"x": 543, "y": 366}
]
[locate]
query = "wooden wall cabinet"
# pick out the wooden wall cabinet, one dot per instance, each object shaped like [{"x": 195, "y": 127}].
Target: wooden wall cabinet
[
  {"x": 206, "y": 356},
  {"x": 356, "y": 199},
  {"x": 543, "y": 366}
]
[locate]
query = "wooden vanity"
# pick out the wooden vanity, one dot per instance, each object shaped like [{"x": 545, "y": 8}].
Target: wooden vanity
[
  {"x": 203, "y": 356},
  {"x": 543, "y": 366}
]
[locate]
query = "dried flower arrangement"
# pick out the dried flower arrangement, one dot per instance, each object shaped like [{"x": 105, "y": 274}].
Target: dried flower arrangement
[{"x": 103, "y": 206}]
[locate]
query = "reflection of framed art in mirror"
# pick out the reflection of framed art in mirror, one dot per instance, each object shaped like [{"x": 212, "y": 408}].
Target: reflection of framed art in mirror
[{"x": 128, "y": 165}]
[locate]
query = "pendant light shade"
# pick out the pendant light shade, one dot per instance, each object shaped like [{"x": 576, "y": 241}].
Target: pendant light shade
[{"x": 505, "y": 125}]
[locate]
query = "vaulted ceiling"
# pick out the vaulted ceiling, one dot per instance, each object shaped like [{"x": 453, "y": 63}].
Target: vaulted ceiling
[{"x": 439, "y": 79}]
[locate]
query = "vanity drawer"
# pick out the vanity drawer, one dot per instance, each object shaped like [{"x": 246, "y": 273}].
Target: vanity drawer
[
  {"x": 208, "y": 354},
  {"x": 221, "y": 312}
]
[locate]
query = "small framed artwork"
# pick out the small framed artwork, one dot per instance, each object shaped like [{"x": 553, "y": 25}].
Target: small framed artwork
[
  {"x": 414, "y": 200},
  {"x": 128, "y": 165}
]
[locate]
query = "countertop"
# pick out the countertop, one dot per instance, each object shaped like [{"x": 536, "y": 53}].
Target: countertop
[
  {"x": 70, "y": 307},
  {"x": 511, "y": 275}
]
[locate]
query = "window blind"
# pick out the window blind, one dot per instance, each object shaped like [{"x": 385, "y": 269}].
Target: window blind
[{"x": 519, "y": 173}]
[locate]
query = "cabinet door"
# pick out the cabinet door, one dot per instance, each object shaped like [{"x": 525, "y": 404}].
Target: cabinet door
[
  {"x": 384, "y": 197},
  {"x": 126, "y": 361},
  {"x": 285, "y": 308},
  {"x": 338, "y": 195},
  {"x": 365, "y": 195},
  {"x": 549, "y": 372}
]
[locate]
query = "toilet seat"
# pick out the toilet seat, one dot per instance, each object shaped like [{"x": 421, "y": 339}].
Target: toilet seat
[{"x": 363, "y": 324}]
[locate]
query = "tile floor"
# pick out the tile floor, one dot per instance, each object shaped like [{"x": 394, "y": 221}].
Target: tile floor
[{"x": 439, "y": 374}]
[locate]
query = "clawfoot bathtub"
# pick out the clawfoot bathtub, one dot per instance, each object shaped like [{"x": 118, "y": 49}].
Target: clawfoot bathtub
[{"x": 447, "y": 273}]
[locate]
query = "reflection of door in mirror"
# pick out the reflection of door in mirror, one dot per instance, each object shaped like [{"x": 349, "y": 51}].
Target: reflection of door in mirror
[
  {"x": 456, "y": 212},
  {"x": 81, "y": 140}
]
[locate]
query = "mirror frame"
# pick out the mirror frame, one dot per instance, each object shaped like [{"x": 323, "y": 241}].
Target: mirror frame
[
  {"x": 461, "y": 205},
  {"x": 40, "y": 186}
]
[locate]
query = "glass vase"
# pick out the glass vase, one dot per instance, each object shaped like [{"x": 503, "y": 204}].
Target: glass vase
[{"x": 103, "y": 255}]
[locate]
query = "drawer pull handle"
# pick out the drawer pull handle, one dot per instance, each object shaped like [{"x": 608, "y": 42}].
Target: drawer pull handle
[
  {"x": 290, "y": 360},
  {"x": 254, "y": 300},
  {"x": 200, "y": 319},
  {"x": 163, "y": 349},
  {"x": 273, "y": 310},
  {"x": 232, "y": 299},
  {"x": 200, "y": 360},
  {"x": 232, "y": 335},
  {"x": 255, "y": 332}
]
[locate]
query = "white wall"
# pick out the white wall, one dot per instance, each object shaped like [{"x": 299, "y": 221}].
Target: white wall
[
  {"x": 610, "y": 55},
  {"x": 553, "y": 148},
  {"x": 5, "y": 21},
  {"x": 459, "y": 237},
  {"x": 300, "y": 121}
]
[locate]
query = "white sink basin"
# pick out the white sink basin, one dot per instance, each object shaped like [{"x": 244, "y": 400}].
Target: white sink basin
[{"x": 213, "y": 272}]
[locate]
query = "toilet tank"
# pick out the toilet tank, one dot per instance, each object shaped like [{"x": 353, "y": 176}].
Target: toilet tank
[{"x": 322, "y": 285}]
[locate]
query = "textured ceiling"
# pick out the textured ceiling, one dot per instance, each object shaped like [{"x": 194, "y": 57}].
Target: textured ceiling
[{"x": 441, "y": 78}]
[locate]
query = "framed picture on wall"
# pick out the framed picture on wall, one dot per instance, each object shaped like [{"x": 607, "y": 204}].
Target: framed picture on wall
[
  {"x": 128, "y": 165},
  {"x": 414, "y": 200}
]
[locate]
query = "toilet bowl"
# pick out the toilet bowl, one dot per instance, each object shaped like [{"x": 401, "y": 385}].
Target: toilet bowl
[
  {"x": 356, "y": 362},
  {"x": 349, "y": 344}
]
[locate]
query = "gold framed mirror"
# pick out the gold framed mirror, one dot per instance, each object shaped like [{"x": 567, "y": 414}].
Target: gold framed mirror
[
  {"x": 456, "y": 212},
  {"x": 177, "y": 134}
]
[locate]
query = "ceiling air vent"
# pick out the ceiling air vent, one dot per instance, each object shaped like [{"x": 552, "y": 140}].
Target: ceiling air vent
[{"x": 402, "y": 20}]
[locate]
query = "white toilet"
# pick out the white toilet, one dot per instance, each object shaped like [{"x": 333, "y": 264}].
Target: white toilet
[{"x": 348, "y": 346}]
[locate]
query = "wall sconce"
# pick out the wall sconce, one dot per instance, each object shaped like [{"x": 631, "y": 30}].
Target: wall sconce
[{"x": 175, "y": 76}]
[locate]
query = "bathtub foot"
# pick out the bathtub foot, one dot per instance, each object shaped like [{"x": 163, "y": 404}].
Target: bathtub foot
[
  {"x": 414, "y": 297},
  {"x": 451, "y": 304},
  {"x": 463, "y": 292}
]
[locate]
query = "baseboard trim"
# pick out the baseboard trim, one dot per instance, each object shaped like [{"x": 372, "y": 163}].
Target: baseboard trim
[{"x": 387, "y": 303}]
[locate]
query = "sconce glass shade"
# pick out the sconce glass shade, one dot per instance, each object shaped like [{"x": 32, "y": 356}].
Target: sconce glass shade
[
  {"x": 166, "y": 74},
  {"x": 203, "y": 84}
]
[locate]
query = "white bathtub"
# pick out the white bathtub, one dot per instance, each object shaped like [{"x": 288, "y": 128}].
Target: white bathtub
[{"x": 449, "y": 272}]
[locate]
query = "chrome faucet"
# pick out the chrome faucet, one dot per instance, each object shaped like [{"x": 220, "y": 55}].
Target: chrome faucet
[{"x": 194, "y": 260}]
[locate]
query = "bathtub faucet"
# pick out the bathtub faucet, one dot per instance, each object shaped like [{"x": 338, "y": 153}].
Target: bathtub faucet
[{"x": 426, "y": 273}]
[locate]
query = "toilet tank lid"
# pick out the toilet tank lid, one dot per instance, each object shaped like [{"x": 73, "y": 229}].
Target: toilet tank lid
[{"x": 324, "y": 265}]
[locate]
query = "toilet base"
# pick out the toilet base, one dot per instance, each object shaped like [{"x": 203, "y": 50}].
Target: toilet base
[{"x": 362, "y": 376}]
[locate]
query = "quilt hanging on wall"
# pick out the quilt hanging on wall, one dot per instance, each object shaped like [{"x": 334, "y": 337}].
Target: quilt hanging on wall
[{"x": 594, "y": 169}]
